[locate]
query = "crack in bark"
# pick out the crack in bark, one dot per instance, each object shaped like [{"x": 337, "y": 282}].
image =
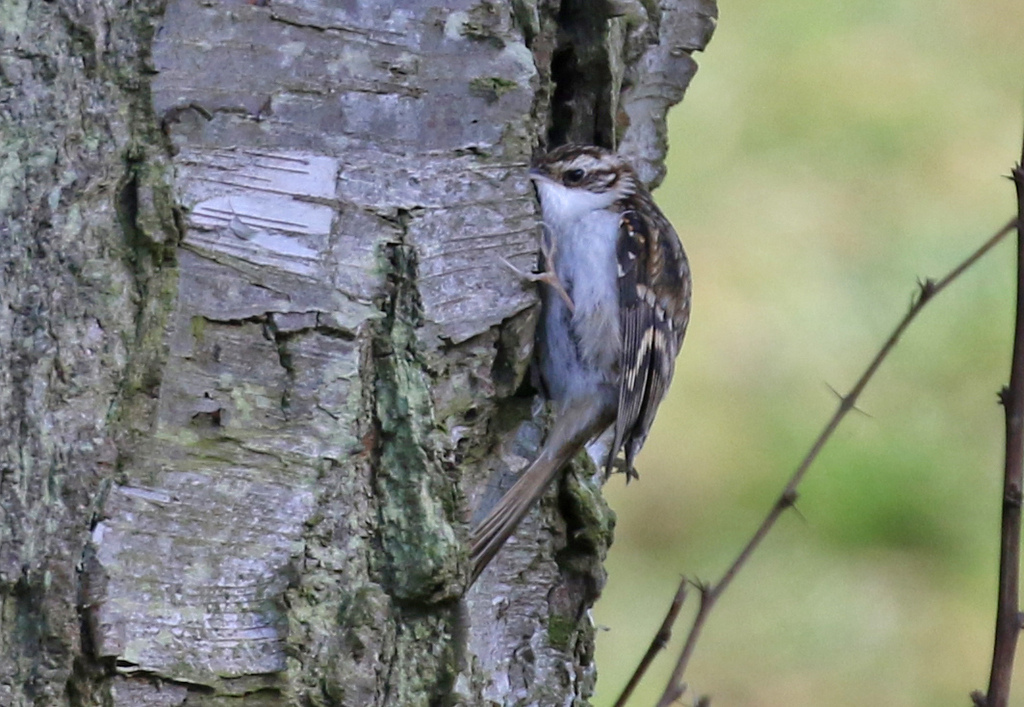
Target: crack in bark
[{"x": 581, "y": 106}]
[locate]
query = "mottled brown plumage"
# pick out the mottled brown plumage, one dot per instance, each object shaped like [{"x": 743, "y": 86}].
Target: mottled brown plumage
[{"x": 607, "y": 356}]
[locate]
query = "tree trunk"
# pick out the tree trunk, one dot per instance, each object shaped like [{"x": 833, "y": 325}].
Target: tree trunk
[{"x": 260, "y": 362}]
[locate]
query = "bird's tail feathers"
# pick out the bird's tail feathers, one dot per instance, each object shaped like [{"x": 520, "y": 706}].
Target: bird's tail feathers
[{"x": 567, "y": 437}]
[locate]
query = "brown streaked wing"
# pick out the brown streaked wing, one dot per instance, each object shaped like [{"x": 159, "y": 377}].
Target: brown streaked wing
[
  {"x": 654, "y": 300},
  {"x": 636, "y": 321}
]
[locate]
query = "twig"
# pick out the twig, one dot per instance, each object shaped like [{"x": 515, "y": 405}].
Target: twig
[
  {"x": 711, "y": 593},
  {"x": 660, "y": 640},
  {"x": 1008, "y": 619}
]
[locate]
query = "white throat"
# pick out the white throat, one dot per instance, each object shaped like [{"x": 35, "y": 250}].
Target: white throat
[{"x": 563, "y": 206}]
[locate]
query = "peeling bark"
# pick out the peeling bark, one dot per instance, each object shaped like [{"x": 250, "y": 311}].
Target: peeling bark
[{"x": 260, "y": 361}]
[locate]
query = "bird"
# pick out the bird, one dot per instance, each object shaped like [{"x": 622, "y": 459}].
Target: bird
[{"x": 615, "y": 303}]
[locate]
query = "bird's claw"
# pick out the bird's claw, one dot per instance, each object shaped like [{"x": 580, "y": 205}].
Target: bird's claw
[{"x": 548, "y": 277}]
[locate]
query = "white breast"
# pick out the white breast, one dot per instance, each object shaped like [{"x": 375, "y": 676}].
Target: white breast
[{"x": 585, "y": 235}]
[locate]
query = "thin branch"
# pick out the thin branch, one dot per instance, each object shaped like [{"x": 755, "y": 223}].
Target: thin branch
[
  {"x": 711, "y": 593},
  {"x": 661, "y": 639},
  {"x": 1008, "y": 620}
]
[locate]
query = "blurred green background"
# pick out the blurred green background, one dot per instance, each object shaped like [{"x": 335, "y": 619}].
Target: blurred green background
[{"x": 827, "y": 155}]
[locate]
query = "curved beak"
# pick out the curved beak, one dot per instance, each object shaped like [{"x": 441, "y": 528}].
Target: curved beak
[{"x": 537, "y": 175}]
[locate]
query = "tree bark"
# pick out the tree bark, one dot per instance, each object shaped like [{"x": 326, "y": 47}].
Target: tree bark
[{"x": 260, "y": 361}]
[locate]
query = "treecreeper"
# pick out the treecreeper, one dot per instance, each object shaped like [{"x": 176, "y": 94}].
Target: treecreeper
[{"x": 615, "y": 300}]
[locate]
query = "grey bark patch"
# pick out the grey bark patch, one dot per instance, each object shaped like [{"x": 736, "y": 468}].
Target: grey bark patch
[
  {"x": 659, "y": 47},
  {"x": 128, "y": 692},
  {"x": 194, "y": 568}
]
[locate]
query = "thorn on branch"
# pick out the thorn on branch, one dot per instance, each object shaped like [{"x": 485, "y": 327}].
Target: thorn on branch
[
  {"x": 1004, "y": 396},
  {"x": 1013, "y": 496},
  {"x": 835, "y": 392},
  {"x": 705, "y": 588},
  {"x": 978, "y": 699},
  {"x": 846, "y": 401},
  {"x": 700, "y": 585},
  {"x": 925, "y": 290},
  {"x": 788, "y": 499}
]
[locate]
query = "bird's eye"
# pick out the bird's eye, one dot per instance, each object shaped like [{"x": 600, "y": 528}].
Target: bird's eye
[{"x": 573, "y": 176}]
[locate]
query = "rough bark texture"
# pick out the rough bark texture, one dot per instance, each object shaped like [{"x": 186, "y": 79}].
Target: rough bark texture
[
  {"x": 85, "y": 228},
  {"x": 260, "y": 361}
]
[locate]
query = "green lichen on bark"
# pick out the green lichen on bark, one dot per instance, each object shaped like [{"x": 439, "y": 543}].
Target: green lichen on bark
[
  {"x": 416, "y": 503},
  {"x": 426, "y": 661},
  {"x": 492, "y": 87},
  {"x": 592, "y": 521},
  {"x": 335, "y": 642},
  {"x": 560, "y": 630}
]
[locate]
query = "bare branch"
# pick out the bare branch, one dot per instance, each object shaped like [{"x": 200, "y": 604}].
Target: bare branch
[
  {"x": 927, "y": 290},
  {"x": 1008, "y": 619}
]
